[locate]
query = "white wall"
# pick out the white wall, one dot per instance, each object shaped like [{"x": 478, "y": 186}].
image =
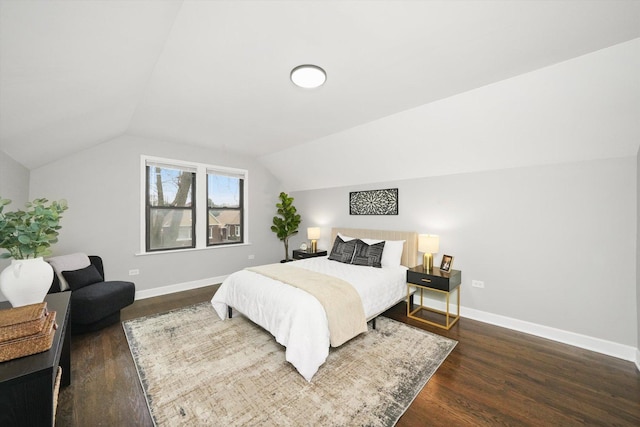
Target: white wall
[
  {"x": 638, "y": 259},
  {"x": 14, "y": 181},
  {"x": 14, "y": 185},
  {"x": 102, "y": 186},
  {"x": 555, "y": 245}
]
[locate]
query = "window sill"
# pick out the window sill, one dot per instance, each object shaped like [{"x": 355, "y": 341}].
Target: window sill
[{"x": 173, "y": 251}]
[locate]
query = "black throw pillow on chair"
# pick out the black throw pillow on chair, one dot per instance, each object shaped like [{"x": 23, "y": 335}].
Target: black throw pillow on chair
[{"x": 84, "y": 277}]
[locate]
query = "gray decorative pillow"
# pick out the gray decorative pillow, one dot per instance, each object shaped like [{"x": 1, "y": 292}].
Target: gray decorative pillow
[
  {"x": 370, "y": 255},
  {"x": 343, "y": 251}
]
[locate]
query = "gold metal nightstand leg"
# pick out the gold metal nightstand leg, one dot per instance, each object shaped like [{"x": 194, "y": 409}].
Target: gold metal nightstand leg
[{"x": 449, "y": 319}]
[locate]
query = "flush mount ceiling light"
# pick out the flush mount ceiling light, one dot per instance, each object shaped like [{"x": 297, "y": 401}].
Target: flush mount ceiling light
[{"x": 308, "y": 76}]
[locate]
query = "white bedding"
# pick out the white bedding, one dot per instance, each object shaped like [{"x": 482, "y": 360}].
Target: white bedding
[{"x": 295, "y": 318}]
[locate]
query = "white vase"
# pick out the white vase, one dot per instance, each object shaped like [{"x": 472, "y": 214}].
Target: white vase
[{"x": 26, "y": 281}]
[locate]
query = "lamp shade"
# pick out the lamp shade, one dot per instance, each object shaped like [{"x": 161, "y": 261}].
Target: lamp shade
[
  {"x": 313, "y": 233},
  {"x": 428, "y": 243}
]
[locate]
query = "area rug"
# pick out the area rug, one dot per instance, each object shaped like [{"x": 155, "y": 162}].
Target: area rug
[{"x": 198, "y": 370}]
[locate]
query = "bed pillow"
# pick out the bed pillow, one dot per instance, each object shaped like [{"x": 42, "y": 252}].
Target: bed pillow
[
  {"x": 67, "y": 263},
  {"x": 345, "y": 238},
  {"x": 84, "y": 277},
  {"x": 369, "y": 255},
  {"x": 343, "y": 251},
  {"x": 392, "y": 255}
]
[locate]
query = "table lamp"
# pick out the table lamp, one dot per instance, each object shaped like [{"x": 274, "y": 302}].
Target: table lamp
[
  {"x": 429, "y": 244},
  {"x": 313, "y": 234}
]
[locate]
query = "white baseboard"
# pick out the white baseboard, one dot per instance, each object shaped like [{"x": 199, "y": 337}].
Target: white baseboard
[
  {"x": 578, "y": 340},
  {"x": 165, "y": 290},
  {"x": 598, "y": 345}
]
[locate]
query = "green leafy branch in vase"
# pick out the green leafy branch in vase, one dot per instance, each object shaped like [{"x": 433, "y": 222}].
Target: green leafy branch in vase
[{"x": 30, "y": 233}]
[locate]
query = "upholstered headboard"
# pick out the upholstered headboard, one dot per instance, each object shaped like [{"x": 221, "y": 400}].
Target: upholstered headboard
[{"x": 409, "y": 252}]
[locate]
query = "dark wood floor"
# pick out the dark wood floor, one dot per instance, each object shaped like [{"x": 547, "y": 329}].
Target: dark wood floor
[{"x": 494, "y": 376}]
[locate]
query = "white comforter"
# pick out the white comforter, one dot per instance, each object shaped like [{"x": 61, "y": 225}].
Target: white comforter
[{"x": 295, "y": 318}]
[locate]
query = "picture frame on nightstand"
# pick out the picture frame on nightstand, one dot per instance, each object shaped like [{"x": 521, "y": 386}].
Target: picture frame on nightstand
[{"x": 447, "y": 263}]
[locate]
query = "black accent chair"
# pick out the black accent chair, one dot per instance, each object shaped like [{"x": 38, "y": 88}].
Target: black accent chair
[{"x": 96, "y": 305}]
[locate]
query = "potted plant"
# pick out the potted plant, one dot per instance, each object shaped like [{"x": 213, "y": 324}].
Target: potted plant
[
  {"x": 27, "y": 236},
  {"x": 286, "y": 225}
]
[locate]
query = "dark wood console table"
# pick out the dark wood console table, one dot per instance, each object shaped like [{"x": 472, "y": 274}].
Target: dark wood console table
[{"x": 27, "y": 383}]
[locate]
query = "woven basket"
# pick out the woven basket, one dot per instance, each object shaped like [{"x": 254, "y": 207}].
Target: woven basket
[
  {"x": 22, "y": 321},
  {"x": 31, "y": 344},
  {"x": 56, "y": 391}
]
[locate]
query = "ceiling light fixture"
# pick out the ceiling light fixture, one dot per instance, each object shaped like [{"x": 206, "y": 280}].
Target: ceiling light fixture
[{"x": 308, "y": 76}]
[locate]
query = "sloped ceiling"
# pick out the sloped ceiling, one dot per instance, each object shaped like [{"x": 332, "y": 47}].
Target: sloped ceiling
[{"x": 74, "y": 74}]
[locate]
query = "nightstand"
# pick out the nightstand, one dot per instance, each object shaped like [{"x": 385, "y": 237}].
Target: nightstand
[
  {"x": 435, "y": 281},
  {"x": 300, "y": 254}
]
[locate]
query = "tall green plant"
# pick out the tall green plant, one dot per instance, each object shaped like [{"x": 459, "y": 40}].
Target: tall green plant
[
  {"x": 286, "y": 225},
  {"x": 30, "y": 233}
]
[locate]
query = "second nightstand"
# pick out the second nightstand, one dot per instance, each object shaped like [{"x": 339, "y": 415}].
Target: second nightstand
[
  {"x": 434, "y": 281},
  {"x": 300, "y": 254}
]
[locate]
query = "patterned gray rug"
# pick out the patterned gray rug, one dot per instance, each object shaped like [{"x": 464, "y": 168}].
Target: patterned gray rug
[{"x": 198, "y": 370}]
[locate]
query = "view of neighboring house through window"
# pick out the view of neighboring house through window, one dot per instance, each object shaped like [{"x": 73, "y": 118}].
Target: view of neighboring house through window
[
  {"x": 224, "y": 208},
  {"x": 191, "y": 205},
  {"x": 170, "y": 207}
]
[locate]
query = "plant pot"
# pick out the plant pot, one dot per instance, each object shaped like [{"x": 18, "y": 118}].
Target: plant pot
[{"x": 26, "y": 281}]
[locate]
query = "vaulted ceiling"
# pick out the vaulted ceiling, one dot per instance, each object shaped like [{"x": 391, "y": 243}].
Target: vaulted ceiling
[{"x": 74, "y": 74}]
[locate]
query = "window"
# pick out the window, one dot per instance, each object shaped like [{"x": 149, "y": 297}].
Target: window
[
  {"x": 170, "y": 207},
  {"x": 224, "y": 208},
  {"x": 191, "y": 205}
]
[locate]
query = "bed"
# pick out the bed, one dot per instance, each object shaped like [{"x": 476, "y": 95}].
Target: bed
[{"x": 296, "y": 318}]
